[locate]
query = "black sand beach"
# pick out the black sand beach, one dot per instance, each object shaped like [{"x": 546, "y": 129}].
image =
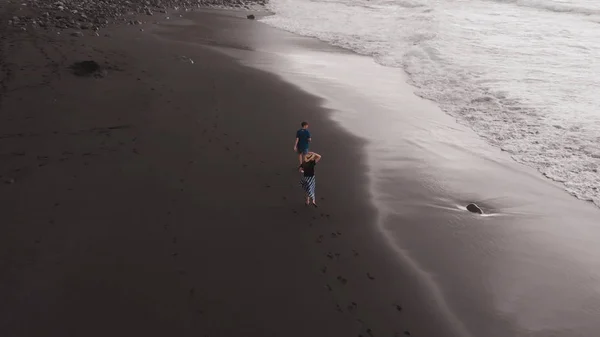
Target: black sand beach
[
  {"x": 159, "y": 196},
  {"x": 161, "y": 199}
]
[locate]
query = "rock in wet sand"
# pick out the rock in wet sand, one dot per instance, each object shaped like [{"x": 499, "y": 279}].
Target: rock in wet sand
[{"x": 473, "y": 208}]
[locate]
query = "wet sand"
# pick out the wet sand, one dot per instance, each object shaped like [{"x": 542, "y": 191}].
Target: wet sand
[{"x": 162, "y": 199}]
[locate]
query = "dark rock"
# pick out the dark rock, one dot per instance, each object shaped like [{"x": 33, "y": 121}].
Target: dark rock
[
  {"x": 473, "y": 208},
  {"x": 251, "y": 17},
  {"x": 86, "y": 68},
  {"x": 77, "y": 34}
]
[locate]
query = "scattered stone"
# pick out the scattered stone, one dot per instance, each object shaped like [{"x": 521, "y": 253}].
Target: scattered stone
[
  {"x": 250, "y": 17},
  {"x": 473, "y": 208},
  {"x": 77, "y": 34},
  {"x": 74, "y": 13}
]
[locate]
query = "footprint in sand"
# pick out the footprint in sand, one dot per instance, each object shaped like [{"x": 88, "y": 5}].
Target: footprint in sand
[
  {"x": 342, "y": 280},
  {"x": 192, "y": 292},
  {"x": 398, "y": 307},
  {"x": 320, "y": 239},
  {"x": 355, "y": 253},
  {"x": 370, "y": 276},
  {"x": 324, "y": 270},
  {"x": 352, "y": 306}
]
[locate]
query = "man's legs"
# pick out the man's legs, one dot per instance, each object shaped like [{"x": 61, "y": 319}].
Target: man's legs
[{"x": 301, "y": 153}]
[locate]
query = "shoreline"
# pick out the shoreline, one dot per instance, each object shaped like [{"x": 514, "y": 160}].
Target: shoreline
[{"x": 550, "y": 177}]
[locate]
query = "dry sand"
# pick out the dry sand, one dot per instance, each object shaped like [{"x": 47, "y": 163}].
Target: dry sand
[{"x": 162, "y": 199}]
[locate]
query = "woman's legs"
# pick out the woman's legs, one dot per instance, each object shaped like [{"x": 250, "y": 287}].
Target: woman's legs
[{"x": 313, "y": 195}]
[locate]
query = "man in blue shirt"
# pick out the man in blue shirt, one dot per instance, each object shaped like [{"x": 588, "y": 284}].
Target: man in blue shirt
[{"x": 302, "y": 141}]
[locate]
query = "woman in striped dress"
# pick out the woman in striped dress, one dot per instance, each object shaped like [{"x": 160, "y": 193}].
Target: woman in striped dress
[{"x": 308, "y": 176}]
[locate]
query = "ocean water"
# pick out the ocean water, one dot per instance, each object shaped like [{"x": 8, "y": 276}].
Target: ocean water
[{"x": 523, "y": 74}]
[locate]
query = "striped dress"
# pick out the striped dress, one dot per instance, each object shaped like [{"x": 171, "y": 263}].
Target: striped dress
[{"x": 307, "y": 181}]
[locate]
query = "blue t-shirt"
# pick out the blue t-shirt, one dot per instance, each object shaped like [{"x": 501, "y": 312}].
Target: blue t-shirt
[{"x": 303, "y": 136}]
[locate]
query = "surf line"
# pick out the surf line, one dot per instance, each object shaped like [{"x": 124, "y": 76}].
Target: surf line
[{"x": 436, "y": 293}]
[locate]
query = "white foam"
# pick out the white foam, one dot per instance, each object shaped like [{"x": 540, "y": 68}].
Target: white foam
[{"x": 522, "y": 73}]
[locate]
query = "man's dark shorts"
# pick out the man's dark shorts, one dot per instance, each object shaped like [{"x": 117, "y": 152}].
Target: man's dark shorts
[{"x": 302, "y": 151}]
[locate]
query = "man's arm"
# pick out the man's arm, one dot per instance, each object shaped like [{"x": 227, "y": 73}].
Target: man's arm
[{"x": 296, "y": 144}]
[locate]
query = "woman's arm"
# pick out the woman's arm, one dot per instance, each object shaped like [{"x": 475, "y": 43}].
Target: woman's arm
[{"x": 317, "y": 157}]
